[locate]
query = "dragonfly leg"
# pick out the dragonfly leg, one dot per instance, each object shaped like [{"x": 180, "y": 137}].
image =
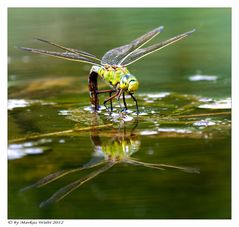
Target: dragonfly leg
[
  {"x": 125, "y": 105},
  {"x": 118, "y": 98},
  {"x": 105, "y": 91},
  {"x": 110, "y": 93},
  {"x": 112, "y": 97},
  {"x": 111, "y": 106},
  {"x": 136, "y": 103}
]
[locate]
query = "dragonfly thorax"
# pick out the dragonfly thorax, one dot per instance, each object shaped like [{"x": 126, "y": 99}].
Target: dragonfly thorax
[{"x": 118, "y": 77}]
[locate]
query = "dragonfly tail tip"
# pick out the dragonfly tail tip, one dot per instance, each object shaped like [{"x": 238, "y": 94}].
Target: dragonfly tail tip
[
  {"x": 160, "y": 29},
  {"x": 42, "y": 40},
  {"x": 190, "y": 32},
  {"x": 24, "y": 48}
]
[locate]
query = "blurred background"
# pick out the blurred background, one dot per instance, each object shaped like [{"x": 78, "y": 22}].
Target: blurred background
[{"x": 206, "y": 52}]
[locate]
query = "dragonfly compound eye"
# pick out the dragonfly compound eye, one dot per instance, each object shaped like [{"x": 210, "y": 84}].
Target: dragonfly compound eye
[
  {"x": 124, "y": 82},
  {"x": 133, "y": 86},
  {"x": 129, "y": 83}
]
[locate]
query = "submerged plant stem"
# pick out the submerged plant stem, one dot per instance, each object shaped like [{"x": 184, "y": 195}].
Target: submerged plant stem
[
  {"x": 59, "y": 133},
  {"x": 204, "y": 114}
]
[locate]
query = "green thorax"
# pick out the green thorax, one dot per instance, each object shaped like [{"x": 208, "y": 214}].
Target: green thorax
[{"x": 112, "y": 74}]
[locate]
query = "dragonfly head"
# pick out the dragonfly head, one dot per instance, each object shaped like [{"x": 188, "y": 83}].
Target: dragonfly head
[{"x": 129, "y": 83}]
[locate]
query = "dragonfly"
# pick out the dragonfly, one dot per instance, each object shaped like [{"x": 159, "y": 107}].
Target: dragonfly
[{"x": 112, "y": 67}]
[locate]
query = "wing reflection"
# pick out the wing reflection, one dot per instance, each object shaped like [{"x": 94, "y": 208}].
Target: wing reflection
[{"x": 110, "y": 148}]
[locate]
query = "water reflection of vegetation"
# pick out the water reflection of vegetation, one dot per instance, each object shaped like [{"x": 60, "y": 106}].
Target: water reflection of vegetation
[{"x": 117, "y": 147}]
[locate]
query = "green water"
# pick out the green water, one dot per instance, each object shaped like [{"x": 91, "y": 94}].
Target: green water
[{"x": 51, "y": 128}]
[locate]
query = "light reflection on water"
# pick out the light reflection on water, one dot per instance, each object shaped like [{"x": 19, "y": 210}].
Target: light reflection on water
[
  {"x": 217, "y": 104},
  {"x": 199, "y": 77},
  {"x": 18, "y": 103},
  {"x": 19, "y": 150}
]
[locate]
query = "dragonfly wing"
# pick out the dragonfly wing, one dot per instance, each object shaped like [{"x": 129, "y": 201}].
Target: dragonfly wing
[
  {"x": 65, "y": 55},
  {"x": 117, "y": 55},
  {"x": 140, "y": 53},
  {"x": 75, "y": 51}
]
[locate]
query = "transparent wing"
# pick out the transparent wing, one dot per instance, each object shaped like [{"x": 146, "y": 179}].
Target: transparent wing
[
  {"x": 66, "y": 55},
  {"x": 62, "y": 192},
  {"x": 117, "y": 55},
  {"x": 140, "y": 53},
  {"x": 75, "y": 51}
]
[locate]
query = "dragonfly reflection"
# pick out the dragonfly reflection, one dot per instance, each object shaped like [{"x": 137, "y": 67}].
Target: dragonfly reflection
[{"x": 117, "y": 148}]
